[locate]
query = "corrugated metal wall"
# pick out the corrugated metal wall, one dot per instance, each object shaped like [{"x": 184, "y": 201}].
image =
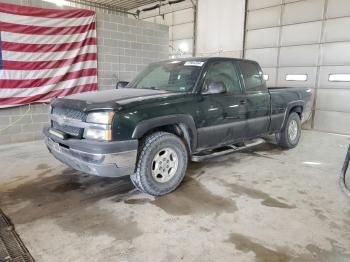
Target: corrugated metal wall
[{"x": 305, "y": 39}]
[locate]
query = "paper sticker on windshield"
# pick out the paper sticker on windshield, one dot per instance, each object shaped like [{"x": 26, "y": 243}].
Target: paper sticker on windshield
[{"x": 194, "y": 63}]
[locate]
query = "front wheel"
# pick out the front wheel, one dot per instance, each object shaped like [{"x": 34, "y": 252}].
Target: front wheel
[
  {"x": 289, "y": 136},
  {"x": 161, "y": 165}
]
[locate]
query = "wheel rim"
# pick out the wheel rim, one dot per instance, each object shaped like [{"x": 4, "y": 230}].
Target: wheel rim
[
  {"x": 293, "y": 130},
  {"x": 164, "y": 165}
]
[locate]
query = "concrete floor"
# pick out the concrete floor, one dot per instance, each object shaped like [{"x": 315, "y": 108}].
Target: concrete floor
[{"x": 262, "y": 205}]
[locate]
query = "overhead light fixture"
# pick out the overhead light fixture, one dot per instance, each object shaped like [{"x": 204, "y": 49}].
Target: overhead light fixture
[
  {"x": 339, "y": 78},
  {"x": 296, "y": 77},
  {"x": 183, "y": 47},
  {"x": 57, "y": 2}
]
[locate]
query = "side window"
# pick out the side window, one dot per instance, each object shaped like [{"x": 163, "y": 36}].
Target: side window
[
  {"x": 251, "y": 76},
  {"x": 223, "y": 72}
]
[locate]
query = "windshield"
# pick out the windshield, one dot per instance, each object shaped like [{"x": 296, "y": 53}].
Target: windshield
[{"x": 174, "y": 76}]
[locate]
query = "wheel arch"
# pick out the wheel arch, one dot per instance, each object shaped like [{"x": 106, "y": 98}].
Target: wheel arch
[
  {"x": 296, "y": 106},
  {"x": 180, "y": 125}
]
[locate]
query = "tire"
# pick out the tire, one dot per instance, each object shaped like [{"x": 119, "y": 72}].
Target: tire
[
  {"x": 149, "y": 176},
  {"x": 286, "y": 137}
]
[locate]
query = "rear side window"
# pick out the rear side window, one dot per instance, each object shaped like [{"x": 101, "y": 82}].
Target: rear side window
[
  {"x": 251, "y": 76},
  {"x": 224, "y": 72}
]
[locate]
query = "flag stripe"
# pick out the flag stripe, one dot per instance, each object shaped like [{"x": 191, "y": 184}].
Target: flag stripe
[
  {"x": 47, "y": 56},
  {"x": 19, "y": 65},
  {"x": 45, "y": 53},
  {"x": 1, "y": 65},
  {"x": 41, "y": 12},
  {"x": 45, "y": 30},
  {"x": 46, "y": 73},
  {"x": 45, "y": 39},
  {"x": 19, "y": 92},
  {"x": 10, "y": 83},
  {"x": 45, "y": 97},
  {"x": 42, "y": 21},
  {"x": 19, "y": 47}
]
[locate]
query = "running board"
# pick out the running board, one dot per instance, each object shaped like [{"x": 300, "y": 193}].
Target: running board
[{"x": 229, "y": 149}]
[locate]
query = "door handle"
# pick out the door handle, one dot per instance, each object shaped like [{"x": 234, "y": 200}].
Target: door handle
[{"x": 243, "y": 102}]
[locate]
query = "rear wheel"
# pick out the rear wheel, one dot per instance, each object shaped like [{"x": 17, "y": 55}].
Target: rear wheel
[
  {"x": 289, "y": 136},
  {"x": 161, "y": 165}
]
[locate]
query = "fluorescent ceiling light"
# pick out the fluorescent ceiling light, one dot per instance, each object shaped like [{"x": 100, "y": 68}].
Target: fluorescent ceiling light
[
  {"x": 296, "y": 77},
  {"x": 339, "y": 78},
  {"x": 311, "y": 163}
]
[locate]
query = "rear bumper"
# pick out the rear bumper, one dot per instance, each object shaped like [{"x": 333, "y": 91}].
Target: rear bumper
[{"x": 107, "y": 159}]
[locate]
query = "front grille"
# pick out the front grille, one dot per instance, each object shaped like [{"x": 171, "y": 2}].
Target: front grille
[
  {"x": 69, "y": 113},
  {"x": 71, "y": 130}
]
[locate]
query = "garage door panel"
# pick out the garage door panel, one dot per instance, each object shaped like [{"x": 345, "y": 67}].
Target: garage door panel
[
  {"x": 305, "y": 33},
  {"x": 266, "y": 57},
  {"x": 332, "y": 121},
  {"x": 183, "y": 16},
  {"x": 263, "y": 18},
  {"x": 303, "y": 11},
  {"x": 234, "y": 54},
  {"x": 262, "y": 38},
  {"x": 333, "y": 100},
  {"x": 306, "y": 55},
  {"x": 338, "y": 8},
  {"x": 271, "y": 72},
  {"x": 256, "y": 4},
  {"x": 335, "y": 30},
  {"x": 306, "y": 46},
  {"x": 336, "y": 53},
  {"x": 310, "y": 72},
  {"x": 182, "y": 31},
  {"x": 325, "y": 71}
]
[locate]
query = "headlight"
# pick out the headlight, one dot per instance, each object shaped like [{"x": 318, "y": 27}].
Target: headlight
[
  {"x": 100, "y": 118},
  {"x": 98, "y": 134}
]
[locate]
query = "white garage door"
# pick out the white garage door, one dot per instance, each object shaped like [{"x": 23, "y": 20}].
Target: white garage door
[{"x": 305, "y": 43}]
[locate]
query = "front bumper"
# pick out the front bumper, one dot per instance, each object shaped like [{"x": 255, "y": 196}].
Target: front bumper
[{"x": 107, "y": 159}]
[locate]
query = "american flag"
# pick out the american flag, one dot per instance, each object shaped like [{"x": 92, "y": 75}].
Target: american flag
[{"x": 45, "y": 53}]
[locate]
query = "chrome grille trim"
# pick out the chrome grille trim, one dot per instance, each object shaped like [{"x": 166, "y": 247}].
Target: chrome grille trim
[{"x": 67, "y": 121}]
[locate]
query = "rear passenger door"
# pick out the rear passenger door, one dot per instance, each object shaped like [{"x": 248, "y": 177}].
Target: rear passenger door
[{"x": 257, "y": 99}]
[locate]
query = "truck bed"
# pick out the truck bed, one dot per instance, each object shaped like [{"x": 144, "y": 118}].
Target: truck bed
[{"x": 292, "y": 94}]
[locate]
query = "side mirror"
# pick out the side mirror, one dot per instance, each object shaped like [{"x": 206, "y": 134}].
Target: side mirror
[
  {"x": 215, "y": 88},
  {"x": 121, "y": 84}
]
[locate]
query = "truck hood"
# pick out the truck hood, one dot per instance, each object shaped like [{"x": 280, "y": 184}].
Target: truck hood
[{"x": 111, "y": 99}]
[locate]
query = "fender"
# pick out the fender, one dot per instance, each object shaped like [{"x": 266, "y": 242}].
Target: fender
[
  {"x": 292, "y": 104},
  {"x": 185, "y": 122}
]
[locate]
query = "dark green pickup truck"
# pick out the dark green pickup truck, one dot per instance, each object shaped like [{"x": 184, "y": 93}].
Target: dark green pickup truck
[{"x": 174, "y": 111}]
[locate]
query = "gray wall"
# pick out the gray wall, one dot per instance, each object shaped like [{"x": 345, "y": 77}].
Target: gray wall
[
  {"x": 125, "y": 46},
  {"x": 305, "y": 37}
]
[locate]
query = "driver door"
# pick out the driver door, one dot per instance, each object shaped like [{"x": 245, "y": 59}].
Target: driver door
[{"x": 223, "y": 116}]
